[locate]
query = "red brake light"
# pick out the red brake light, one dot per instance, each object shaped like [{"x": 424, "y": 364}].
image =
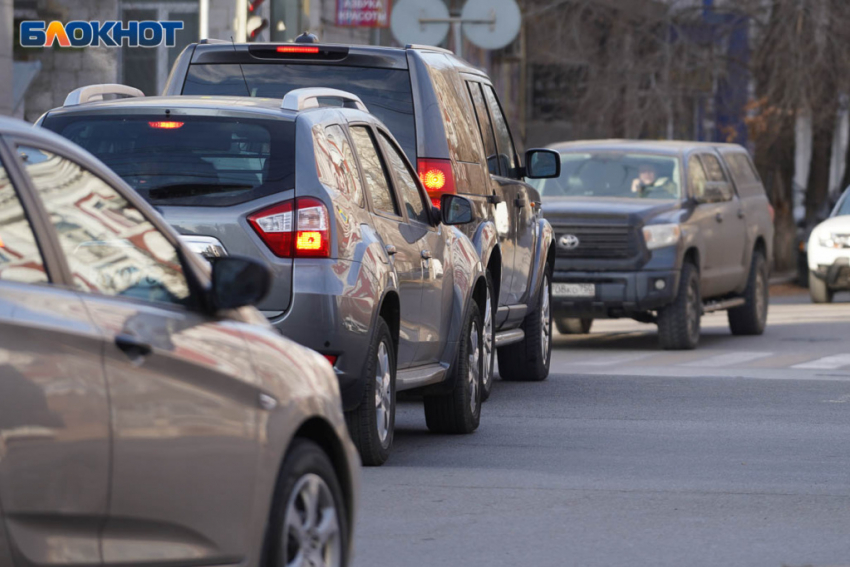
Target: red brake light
[
  {"x": 331, "y": 358},
  {"x": 437, "y": 178},
  {"x": 299, "y": 228},
  {"x": 166, "y": 125},
  {"x": 297, "y": 49}
]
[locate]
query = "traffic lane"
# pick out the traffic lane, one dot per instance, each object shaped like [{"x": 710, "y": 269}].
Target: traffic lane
[{"x": 608, "y": 470}]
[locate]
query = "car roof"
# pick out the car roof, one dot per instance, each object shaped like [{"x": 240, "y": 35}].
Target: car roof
[{"x": 669, "y": 147}]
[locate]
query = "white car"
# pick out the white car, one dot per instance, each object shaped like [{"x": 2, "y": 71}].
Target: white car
[{"x": 829, "y": 253}]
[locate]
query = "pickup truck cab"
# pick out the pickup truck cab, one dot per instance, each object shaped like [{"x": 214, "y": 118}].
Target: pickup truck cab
[{"x": 661, "y": 232}]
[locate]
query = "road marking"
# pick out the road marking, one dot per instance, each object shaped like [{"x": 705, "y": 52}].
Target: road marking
[
  {"x": 728, "y": 359},
  {"x": 616, "y": 359},
  {"x": 826, "y": 363}
]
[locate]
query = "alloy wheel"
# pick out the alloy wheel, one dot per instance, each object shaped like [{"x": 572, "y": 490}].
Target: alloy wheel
[
  {"x": 487, "y": 340},
  {"x": 383, "y": 393},
  {"x": 311, "y": 527},
  {"x": 545, "y": 319},
  {"x": 474, "y": 364}
]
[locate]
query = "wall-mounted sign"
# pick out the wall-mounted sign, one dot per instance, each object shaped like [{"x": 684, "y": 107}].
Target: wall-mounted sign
[{"x": 363, "y": 13}]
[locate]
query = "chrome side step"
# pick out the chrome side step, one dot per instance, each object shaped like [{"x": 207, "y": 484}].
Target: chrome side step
[
  {"x": 713, "y": 306},
  {"x": 505, "y": 338},
  {"x": 419, "y": 376}
]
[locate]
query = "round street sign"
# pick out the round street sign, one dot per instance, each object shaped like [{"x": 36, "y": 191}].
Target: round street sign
[
  {"x": 407, "y": 28},
  {"x": 502, "y": 19}
]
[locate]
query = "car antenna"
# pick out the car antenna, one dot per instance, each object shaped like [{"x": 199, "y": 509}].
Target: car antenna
[{"x": 244, "y": 80}]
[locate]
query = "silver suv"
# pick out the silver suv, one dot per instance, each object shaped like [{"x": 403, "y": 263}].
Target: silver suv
[
  {"x": 366, "y": 271},
  {"x": 147, "y": 414}
]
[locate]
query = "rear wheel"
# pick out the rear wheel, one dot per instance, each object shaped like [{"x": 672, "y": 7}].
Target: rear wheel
[
  {"x": 488, "y": 351},
  {"x": 750, "y": 318},
  {"x": 528, "y": 360},
  {"x": 573, "y": 326},
  {"x": 818, "y": 289},
  {"x": 309, "y": 523},
  {"x": 371, "y": 425},
  {"x": 459, "y": 411},
  {"x": 679, "y": 322}
]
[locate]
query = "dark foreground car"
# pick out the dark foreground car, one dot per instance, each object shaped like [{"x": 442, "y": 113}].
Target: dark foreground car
[
  {"x": 661, "y": 232},
  {"x": 448, "y": 120},
  {"x": 365, "y": 270},
  {"x": 147, "y": 415}
]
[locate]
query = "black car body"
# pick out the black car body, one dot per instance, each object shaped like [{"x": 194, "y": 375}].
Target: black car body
[
  {"x": 631, "y": 216},
  {"x": 448, "y": 120}
]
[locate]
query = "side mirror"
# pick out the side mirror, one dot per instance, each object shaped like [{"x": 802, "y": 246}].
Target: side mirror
[
  {"x": 456, "y": 209},
  {"x": 238, "y": 281},
  {"x": 542, "y": 164}
]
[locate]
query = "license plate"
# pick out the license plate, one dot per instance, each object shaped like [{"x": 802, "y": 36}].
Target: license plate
[{"x": 574, "y": 290}]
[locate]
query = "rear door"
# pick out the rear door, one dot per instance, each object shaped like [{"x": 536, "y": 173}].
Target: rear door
[
  {"x": 399, "y": 236},
  {"x": 54, "y": 413},
  {"x": 183, "y": 399}
]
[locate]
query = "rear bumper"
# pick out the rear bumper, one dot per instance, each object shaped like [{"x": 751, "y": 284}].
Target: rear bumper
[
  {"x": 618, "y": 294},
  {"x": 330, "y": 314}
]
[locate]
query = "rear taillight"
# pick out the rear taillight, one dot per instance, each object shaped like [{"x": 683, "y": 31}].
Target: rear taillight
[
  {"x": 299, "y": 228},
  {"x": 437, "y": 178}
]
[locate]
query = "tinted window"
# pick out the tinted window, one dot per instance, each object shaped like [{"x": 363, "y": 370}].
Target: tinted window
[
  {"x": 373, "y": 169},
  {"x": 408, "y": 190},
  {"x": 190, "y": 160},
  {"x": 696, "y": 178},
  {"x": 713, "y": 168},
  {"x": 507, "y": 153},
  {"x": 386, "y": 92},
  {"x": 110, "y": 247},
  {"x": 744, "y": 174},
  {"x": 335, "y": 162},
  {"x": 20, "y": 258},
  {"x": 844, "y": 207},
  {"x": 457, "y": 114},
  {"x": 485, "y": 127}
]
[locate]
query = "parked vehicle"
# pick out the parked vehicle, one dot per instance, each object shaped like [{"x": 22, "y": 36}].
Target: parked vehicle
[
  {"x": 448, "y": 120},
  {"x": 661, "y": 232},
  {"x": 828, "y": 253},
  {"x": 364, "y": 272},
  {"x": 148, "y": 415}
]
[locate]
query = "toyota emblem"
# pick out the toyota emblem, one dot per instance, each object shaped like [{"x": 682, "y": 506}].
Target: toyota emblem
[{"x": 569, "y": 241}]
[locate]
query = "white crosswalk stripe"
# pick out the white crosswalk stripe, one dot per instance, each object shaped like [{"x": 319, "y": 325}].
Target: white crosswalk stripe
[
  {"x": 826, "y": 363},
  {"x": 615, "y": 359},
  {"x": 728, "y": 359}
]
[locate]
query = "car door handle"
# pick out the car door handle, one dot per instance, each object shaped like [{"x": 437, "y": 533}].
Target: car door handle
[
  {"x": 426, "y": 254},
  {"x": 495, "y": 199},
  {"x": 521, "y": 202},
  {"x": 719, "y": 217},
  {"x": 132, "y": 346},
  {"x": 391, "y": 250}
]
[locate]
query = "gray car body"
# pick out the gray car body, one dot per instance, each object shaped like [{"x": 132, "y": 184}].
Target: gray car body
[
  {"x": 170, "y": 458},
  {"x": 332, "y": 304},
  {"x": 518, "y": 255},
  {"x": 719, "y": 238}
]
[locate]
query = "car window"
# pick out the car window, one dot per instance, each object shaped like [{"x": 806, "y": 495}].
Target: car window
[
  {"x": 111, "y": 248},
  {"x": 696, "y": 178},
  {"x": 456, "y": 114},
  {"x": 744, "y": 174},
  {"x": 408, "y": 190},
  {"x": 20, "y": 257},
  {"x": 335, "y": 162},
  {"x": 373, "y": 170},
  {"x": 504, "y": 143},
  {"x": 485, "y": 127},
  {"x": 713, "y": 169}
]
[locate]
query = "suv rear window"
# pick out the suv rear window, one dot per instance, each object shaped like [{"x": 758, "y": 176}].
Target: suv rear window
[
  {"x": 385, "y": 92},
  {"x": 189, "y": 160}
]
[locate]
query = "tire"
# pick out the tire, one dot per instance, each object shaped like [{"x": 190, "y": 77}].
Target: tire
[
  {"x": 751, "y": 318},
  {"x": 818, "y": 290},
  {"x": 679, "y": 322},
  {"x": 307, "y": 482},
  {"x": 488, "y": 335},
  {"x": 573, "y": 326},
  {"x": 372, "y": 423},
  {"x": 528, "y": 360},
  {"x": 459, "y": 411}
]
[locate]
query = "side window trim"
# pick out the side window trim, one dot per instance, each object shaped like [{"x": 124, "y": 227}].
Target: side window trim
[
  {"x": 477, "y": 84},
  {"x": 426, "y": 203},
  {"x": 484, "y": 86},
  {"x": 398, "y": 218}
]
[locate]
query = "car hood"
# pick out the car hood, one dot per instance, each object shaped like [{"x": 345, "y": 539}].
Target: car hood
[
  {"x": 576, "y": 209},
  {"x": 839, "y": 224}
]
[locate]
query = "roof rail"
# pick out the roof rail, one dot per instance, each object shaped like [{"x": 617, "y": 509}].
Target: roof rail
[
  {"x": 207, "y": 40},
  {"x": 94, "y": 93},
  {"x": 428, "y": 47},
  {"x": 302, "y": 99}
]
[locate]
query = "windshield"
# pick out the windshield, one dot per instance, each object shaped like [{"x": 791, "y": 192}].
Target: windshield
[
  {"x": 205, "y": 161},
  {"x": 615, "y": 174},
  {"x": 385, "y": 92},
  {"x": 844, "y": 205}
]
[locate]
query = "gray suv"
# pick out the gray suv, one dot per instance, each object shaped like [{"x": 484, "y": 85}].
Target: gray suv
[
  {"x": 448, "y": 120},
  {"x": 147, "y": 414},
  {"x": 365, "y": 270}
]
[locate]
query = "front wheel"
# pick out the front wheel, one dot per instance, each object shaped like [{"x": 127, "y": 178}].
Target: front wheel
[
  {"x": 751, "y": 317},
  {"x": 528, "y": 360},
  {"x": 679, "y": 322},
  {"x": 488, "y": 335},
  {"x": 308, "y": 523},
  {"x": 818, "y": 289},
  {"x": 459, "y": 411}
]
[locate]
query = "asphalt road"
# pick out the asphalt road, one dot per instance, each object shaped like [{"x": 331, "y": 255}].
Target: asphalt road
[{"x": 736, "y": 454}]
